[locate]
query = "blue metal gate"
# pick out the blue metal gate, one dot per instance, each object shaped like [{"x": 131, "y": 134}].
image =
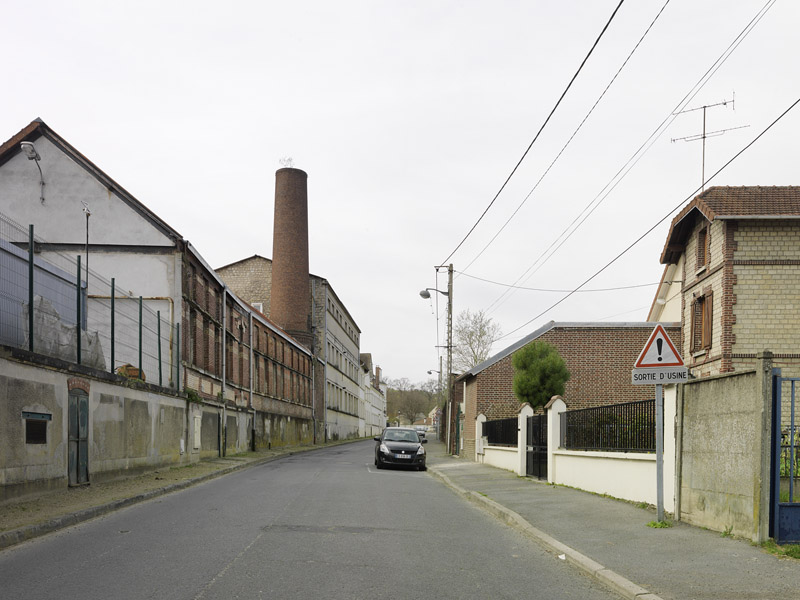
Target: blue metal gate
[{"x": 784, "y": 517}]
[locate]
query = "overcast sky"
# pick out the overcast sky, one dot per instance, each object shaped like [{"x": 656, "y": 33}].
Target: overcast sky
[{"x": 408, "y": 116}]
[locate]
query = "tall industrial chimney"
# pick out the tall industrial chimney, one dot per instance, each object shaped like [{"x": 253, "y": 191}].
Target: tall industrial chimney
[{"x": 290, "y": 297}]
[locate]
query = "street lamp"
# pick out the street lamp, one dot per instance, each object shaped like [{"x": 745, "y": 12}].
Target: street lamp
[
  {"x": 449, "y": 293},
  {"x": 30, "y": 151}
]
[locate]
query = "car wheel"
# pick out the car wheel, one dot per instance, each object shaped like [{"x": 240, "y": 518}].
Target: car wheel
[
  {"x": 378, "y": 463},
  {"x": 423, "y": 468}
]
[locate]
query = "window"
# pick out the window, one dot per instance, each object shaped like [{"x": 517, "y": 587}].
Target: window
[
  {"x": 702, "y": 322},
  {"x": 36, "y": 427},
  {"x": 702, "y": 248}
]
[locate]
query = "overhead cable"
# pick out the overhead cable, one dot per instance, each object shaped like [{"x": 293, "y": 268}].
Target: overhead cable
[
  {"x": 635, "y": 157},
  {"x": 574, "y": 133},
  {"x": 664, "y": 218},
  {"x": 538, "y": 133}
]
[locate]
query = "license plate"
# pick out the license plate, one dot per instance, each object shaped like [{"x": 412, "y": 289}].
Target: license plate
[{"x": 402, "y": 456}]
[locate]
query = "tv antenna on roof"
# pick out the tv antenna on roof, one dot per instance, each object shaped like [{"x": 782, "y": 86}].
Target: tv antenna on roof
[{"x": 704, "y": 135}]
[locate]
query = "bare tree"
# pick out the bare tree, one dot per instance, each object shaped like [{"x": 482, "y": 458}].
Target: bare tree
[
  {"x": 473, "y": 336},
  {"x": 408, "y": 401},
  {"x": 414, "y": 405}
]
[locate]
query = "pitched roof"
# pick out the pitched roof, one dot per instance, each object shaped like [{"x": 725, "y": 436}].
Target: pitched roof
[
  {"x": 744, "y": 202},
  {"x": 38, "y": 128},
  {"x": 553, "y": 325}
]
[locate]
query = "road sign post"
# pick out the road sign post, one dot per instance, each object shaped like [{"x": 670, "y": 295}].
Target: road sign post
[{"x": 659, "y": 363}]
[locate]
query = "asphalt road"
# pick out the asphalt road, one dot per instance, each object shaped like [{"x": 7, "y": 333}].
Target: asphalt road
[{"x": 323, "y": 524}]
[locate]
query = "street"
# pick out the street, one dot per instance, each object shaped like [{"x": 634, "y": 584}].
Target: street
[{"x": 322, "y": 524}]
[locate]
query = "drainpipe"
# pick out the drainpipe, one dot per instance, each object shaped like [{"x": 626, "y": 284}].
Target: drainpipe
[
  {"x": 325, "y": 369},
  {"x": 312, "y": 361},
  {"x": 222, "y": 443},
  {"x": 252, "y": 410}
]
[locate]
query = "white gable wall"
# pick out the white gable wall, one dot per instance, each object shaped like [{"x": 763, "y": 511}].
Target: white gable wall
[{"x": 61, "y": 218}]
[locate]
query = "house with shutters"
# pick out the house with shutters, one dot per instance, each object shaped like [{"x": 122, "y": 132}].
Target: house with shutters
[{"x": 732, "y": 277}]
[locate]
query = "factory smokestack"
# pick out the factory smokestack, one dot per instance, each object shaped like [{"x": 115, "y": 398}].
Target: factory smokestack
[{"x": 290, "y": 298}]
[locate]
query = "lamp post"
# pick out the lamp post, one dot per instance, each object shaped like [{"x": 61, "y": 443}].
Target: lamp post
[
  {"x": 30, "y": 151},
  {"x": 449, "y": 293},
  {"x": 88, "y": 214}
]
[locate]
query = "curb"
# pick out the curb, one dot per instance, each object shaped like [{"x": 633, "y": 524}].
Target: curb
[
  {"x": 12, "y": 537},
  {"x": 611, "y": 579}
]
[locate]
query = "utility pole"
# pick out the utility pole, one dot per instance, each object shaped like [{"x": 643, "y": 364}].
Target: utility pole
[{"x": 704, "y": 135}]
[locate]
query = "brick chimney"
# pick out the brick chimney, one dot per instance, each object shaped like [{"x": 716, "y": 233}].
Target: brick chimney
[{"x": 290, "y": 297}]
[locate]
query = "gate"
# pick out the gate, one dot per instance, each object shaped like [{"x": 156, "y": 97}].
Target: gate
[
  {"x": 78, "y": 437},
  {"x": 784, "y": 516},
  {"x": 536, "y": 447}
]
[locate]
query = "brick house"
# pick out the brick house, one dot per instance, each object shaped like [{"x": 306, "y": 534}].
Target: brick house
[
  {"x": 599, "y": 357},
  {"x": 732, "y": 269}
]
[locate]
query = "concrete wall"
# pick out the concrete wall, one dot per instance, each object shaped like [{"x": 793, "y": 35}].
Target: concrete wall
[
  {"x": 130, "y": 430},
  {"x": 626, "y": 475},
  {"x": 724, "y": 450},
  {"x": 501, "y": 457}
]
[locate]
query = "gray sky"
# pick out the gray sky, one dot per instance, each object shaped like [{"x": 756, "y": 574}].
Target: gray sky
[{"x": 408, "y": 116}]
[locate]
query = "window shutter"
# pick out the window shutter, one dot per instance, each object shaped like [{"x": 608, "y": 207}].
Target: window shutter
[
  {"x": 697, "y": 324},
  {"x": 707, "y": 322}
]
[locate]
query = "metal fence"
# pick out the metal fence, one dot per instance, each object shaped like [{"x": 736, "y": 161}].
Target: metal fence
[
  {"x": 80, "y": 316},
  {"x": 501, "y": 432},
  {"x": 629, "y": 427}
]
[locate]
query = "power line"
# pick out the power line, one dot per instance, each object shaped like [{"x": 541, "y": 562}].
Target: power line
[
  {"x": 589, "y": 209},
  {"x": 574, "y": 133},
  {"x": 524, "y": 154},
  {"x": 530, "y": 289},
  {"x": 664, "y": 218}
]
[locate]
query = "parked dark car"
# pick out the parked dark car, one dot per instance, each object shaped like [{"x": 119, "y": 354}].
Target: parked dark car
[{"x": 400, "y": 446}]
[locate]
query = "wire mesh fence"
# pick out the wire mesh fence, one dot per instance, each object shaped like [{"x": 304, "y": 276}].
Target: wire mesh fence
[
  {"x": 79, "y": 314},
  {"x": 616, "y": 428}
]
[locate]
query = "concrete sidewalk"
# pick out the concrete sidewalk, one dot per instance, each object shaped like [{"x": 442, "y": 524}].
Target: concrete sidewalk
[{"x": 610, "y": 539}]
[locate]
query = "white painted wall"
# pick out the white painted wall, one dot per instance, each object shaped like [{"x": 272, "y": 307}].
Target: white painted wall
[
  {"x": 61, "y": 218},
  {"x": 501, "y": 457},
  {"x": 625, "y": 475},
  {"x": 630, "y": 476}
]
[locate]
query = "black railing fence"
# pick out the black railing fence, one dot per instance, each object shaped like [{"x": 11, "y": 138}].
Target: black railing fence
[
  {"x": 629, "y": 427},
  {"x": 501, "y": 432}
]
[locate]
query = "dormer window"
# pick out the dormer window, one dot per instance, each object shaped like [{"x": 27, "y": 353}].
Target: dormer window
[{"x": 702, "y": 248}]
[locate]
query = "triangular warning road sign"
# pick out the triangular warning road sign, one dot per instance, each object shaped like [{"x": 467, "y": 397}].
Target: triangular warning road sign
[{"x": 658, "y": 352}]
